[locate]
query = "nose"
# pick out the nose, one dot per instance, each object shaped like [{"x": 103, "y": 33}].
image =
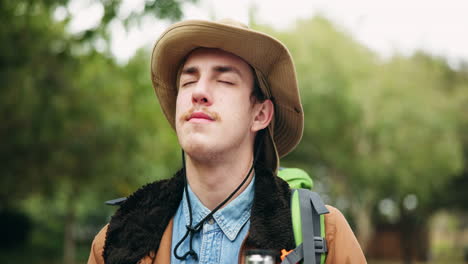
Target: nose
[{"x": 201, "y": 94}]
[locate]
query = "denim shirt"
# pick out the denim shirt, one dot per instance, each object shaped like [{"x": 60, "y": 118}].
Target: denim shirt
[{"x": 221, "y": 237}]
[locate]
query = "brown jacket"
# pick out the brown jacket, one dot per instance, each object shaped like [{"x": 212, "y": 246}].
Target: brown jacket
[{"x": 134, "y": 234}]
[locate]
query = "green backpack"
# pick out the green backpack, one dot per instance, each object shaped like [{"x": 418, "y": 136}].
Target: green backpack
[{"x": 307, "y": 210}]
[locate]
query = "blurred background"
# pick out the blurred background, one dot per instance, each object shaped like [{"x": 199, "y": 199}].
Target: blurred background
[{"x": 384, "y": 86}]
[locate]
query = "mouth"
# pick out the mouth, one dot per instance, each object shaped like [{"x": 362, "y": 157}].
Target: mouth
[{"x": 199, "y": 117}]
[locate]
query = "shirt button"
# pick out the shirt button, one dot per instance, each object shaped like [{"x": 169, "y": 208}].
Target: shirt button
[{"x": 210, "y": 221}]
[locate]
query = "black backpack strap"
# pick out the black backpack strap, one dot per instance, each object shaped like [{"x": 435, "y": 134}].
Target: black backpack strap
[{"x": 117, "y": 201}]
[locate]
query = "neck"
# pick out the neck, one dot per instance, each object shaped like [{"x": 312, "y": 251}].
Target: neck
[{"x": 214, "y": 182}]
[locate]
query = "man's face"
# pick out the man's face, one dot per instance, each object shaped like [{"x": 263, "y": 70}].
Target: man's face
[{"x": 214, "y": 112}]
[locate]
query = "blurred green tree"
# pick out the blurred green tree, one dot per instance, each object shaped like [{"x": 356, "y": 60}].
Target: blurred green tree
[
  {"x": 373, "y": 128},
  {"x": 73, "y": 121}
]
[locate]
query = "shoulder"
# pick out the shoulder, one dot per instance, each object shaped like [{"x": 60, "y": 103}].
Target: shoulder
[
  {"x": 155, "y": 192},
  {"x": 138, "y": 225},
  {"x": 335, "y": 219},
  {"x": 343, "y": 247},
  {"x": 97, "y": 247},
  {"x": 336, "y": 225},
  {"x": 101, "y": 236}
]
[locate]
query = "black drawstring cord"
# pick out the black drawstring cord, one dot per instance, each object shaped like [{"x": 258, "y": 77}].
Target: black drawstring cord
[{"x": 192, "y": 230}]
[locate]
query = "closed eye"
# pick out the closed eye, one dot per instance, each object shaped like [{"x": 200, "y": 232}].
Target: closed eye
[
  {"x": 187, "y": 83},
  {"x": 226, "y": 82}
]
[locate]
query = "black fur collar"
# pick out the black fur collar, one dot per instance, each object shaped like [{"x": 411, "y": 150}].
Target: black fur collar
[{"x": 137, "y": 227}]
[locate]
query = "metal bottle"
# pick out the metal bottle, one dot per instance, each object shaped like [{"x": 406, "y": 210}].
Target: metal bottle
[{"x": 260, "y": 256}]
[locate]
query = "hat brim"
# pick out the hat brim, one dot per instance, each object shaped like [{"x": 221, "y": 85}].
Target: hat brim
[{"x": 270, "y": 59}]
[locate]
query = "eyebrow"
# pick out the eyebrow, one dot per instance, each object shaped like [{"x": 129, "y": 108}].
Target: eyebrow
[
  {"x": 190, "y": 70},
  {"x": 223, "y": 69},
  {"x": 219, "y": 69}
]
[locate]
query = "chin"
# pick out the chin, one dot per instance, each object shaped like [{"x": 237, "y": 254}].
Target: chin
[{"x": 200, "y": 151}]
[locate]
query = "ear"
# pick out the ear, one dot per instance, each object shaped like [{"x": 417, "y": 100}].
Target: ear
[{"x": 263, "y": 113}]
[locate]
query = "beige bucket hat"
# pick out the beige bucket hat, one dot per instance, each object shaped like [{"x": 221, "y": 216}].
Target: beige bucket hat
[{"x": 270, "y": 59}]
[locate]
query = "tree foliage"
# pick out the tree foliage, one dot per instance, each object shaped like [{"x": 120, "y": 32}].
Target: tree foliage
[
  {"x": 66, "y": 113},
  {"x": 375, "y": 129},
  {"x": 75, "y": 125}
]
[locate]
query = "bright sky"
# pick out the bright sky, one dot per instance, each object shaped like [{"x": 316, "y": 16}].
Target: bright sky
[{"x": 439, "y": 27}]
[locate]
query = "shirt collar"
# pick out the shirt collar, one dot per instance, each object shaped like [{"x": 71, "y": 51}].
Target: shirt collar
[{"x": 231, "y": 218}]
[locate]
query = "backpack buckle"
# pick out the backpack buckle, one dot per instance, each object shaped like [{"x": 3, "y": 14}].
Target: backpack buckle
[{"x": 320, "y": 244}]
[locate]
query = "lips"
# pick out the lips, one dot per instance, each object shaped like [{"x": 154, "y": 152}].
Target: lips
[{"x": 200, "y": 117}]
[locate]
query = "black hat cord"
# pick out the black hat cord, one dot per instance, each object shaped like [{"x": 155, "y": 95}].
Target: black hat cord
[{"x": 191, "y": 230}]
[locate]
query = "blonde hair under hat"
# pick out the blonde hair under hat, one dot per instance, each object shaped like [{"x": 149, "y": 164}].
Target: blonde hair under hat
[{"x": 270, "y": 59}]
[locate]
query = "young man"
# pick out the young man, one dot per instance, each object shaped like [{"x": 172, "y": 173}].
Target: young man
[{"x": 231, "y": 95}]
